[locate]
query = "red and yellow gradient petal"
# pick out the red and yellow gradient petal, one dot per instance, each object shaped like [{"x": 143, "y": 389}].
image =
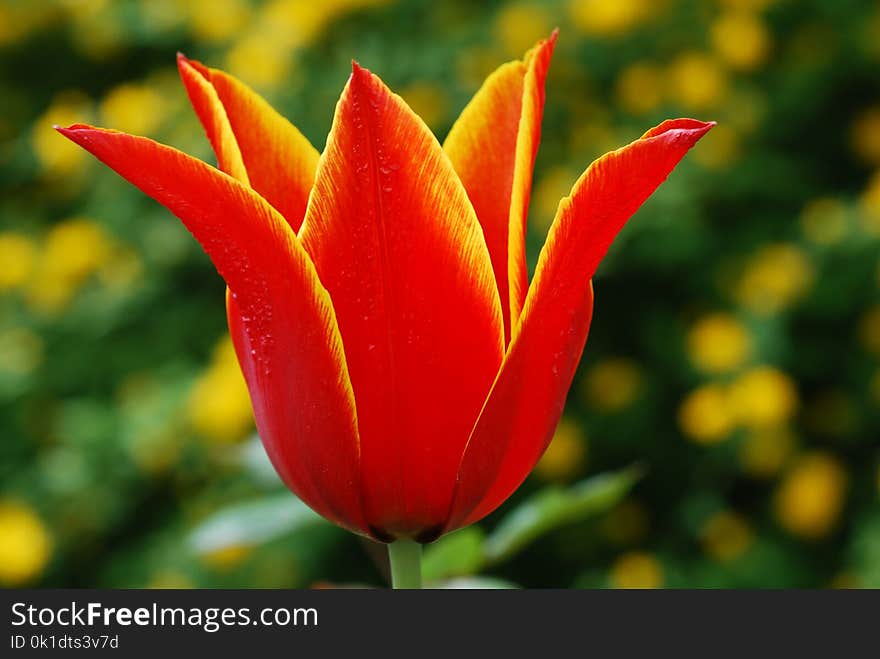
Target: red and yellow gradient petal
[
  {"x": 526, "y": 401},
  {"x": 252, "y": 141},
  {"x": 492, "y": 147},
  {"x": 287, "y": 341},
  {"x": 398, "y": 246}
]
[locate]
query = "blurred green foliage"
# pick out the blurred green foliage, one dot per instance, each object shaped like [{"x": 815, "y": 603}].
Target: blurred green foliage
[{"x": 735, "y": 348}]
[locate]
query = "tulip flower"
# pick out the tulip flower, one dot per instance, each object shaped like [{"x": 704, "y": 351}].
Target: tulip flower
[{"x": 405, "y": 375}]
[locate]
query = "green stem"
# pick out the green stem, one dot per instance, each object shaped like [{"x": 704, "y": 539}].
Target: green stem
[{"x": 405, "y": 557}]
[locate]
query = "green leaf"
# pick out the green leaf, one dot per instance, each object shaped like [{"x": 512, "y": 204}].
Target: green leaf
[
  {"x": 555, "y": 507},
  {"x": 252, "y": 523},
  {"x": 453, "y": 555}
]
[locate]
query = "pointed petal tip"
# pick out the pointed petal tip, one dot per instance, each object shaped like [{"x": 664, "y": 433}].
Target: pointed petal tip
[
  {"x": 700, "y": 128},
  {"x": 692, "y": 124},
  {"x": 183, "y": 62},
  {"x": 363, "y": 82},
  {"x": 73, "y": 129},
  {"x": 692, "y": 128},
  {"x": 542, "y": 50},
  {"x": 360, "y": 74}
]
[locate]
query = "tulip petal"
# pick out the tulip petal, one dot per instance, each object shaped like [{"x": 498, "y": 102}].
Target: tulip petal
[
  {"x": 399, "y": 248},
  {"x": 492, "y": 147},
  {"x": 284, "y": 326},
  {"x": 252, "y": 141},
  {"x": 527, "y": 399}
]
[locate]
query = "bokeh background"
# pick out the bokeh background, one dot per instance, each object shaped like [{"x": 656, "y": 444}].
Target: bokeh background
[{"x": 735, "y": 349}]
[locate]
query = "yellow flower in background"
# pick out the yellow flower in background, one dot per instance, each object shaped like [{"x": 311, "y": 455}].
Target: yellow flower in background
[
  {"x": 775, "y": 278},
  {"x": 428, "y": 101},
  {"x": 83, "y": 9},
  {"x": 291, "y": 24},
  {"x": 726, "y": 535},
  {"x": 76, "y": 247},
  {"x": 721, "y": 151},
  {"x": 704, "y": 416},
  {"x": 97, "y": 27},
  {"x": 17, "y": 254},
  {"x": 696, "y": 81},
  {"x": 216, "y": 20},
  {"x": 741, "y": 40},
  {"x": 824, "y": 221},
  {"x": 612, "y": 385},
  {"x": 261, "y": 53},
  {"x": 227, "y": 558},
  {"x": 59, "y": 157},
  {"x": 18, "y": 20},
  {"x": 519, "y": 26},
  {"x": 765, "y": 451},
  {"x": 865, "y": 135},
  {"x": 256, "y": 59},
  {"x": 565, "y": 456},
  {"x": 636, "y": 569},
  {"x": 219, "y": 408},
  {"x": 133, "y": 108},
  {"x": 718, "y": 343},
  {"x": 869, "y": 330},
  {"x": 763, "y": 397},
  {"x": 811, "y": 496},
  {"x": 639, "y": 88},
  {"x": 604, "y": 18},
  {"x": 72, "y": 250},
  {"x": 25, "y": 544}
]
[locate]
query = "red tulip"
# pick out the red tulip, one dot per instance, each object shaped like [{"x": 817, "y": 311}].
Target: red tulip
[{"x": 405, "y": 375}]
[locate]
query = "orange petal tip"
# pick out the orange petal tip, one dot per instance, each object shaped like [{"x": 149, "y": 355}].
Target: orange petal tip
[{"x": 183, "y": 61}]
